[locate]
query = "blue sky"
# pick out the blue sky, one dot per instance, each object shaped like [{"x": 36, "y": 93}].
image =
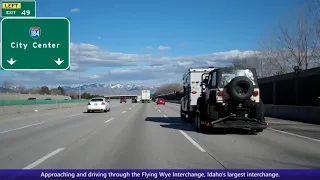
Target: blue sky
[
  {"x": 205, "y": 25},
  {"x": 189, "y": 28}
]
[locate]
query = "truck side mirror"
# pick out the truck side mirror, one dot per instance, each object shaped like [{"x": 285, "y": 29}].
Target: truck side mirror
[{"x": 178, "y": 93}]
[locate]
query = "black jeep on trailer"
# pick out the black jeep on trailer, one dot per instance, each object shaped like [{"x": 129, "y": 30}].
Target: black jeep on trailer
[{"x": 230, "y": 99}]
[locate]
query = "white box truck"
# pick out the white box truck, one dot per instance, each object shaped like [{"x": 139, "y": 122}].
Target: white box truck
[
  {"x": 145, "y": 96},
  {"x": 139, "y": 98},
  {"x": 191, "y": 92}
]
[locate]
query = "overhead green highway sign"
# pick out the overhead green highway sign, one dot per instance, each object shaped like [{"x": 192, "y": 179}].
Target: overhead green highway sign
[
  {"x": 11, "y": 8},
  {"x": 41, "y": 43}
]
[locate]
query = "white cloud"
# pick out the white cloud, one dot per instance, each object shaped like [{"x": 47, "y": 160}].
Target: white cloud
[
  {"x": 127, "y": 68},
  {"x": 183, "y": 44},
  {"x": 163, "y": 48},
  {"x": 75, "y": 10},
  {"x": 148, "y": 48}
]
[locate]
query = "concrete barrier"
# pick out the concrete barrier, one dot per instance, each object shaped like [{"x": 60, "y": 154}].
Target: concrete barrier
[
  {"x": 10, "y": 96},
  {"x": 305, "y": 114},
  {"x": 16, "y": 109}
]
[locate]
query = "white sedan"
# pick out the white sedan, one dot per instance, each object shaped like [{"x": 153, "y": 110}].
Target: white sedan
[{"x": 98, "y": 104}]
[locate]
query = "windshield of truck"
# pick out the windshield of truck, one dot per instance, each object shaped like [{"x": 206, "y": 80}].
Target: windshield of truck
[{"x": 228, "y": 75}]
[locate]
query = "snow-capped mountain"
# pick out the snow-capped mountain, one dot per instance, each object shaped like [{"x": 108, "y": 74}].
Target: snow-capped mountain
[
  {"x": 112, "y": 89},
  {"x": 105, "y": 89}
]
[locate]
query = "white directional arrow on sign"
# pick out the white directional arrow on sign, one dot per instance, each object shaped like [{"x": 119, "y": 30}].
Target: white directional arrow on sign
[
  {"x": 11, "y": 61},
  {"x": 58, "y": 61}
]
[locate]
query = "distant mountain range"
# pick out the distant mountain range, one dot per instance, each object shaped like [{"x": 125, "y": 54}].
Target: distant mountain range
[
  {"x": 109, "y": 89},
  {"x": 96, "y": 88}
]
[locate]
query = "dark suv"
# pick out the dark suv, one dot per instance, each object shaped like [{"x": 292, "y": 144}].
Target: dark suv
[{"x": 123, "y": 99}]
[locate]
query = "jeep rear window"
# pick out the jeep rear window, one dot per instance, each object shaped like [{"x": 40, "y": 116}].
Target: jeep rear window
[{"x": 228, "y": 75}]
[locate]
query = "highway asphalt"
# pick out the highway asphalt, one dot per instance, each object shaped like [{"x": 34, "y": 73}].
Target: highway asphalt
[{"x": 148, "y": 136}]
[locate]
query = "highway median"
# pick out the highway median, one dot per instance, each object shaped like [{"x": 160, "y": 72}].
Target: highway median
[{"x": 8, "y": 107}]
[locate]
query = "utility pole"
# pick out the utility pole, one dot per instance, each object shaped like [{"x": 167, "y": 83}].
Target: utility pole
[{"x": 79, "y": 87}]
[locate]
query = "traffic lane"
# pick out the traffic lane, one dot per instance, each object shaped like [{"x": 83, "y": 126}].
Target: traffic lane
[
  {"x": 299, "y": 129},
  {"x": 22, "y": 120},
  {"x": 20, "y": 148},
  {"x": 239, "y": 149},
  {"x": 132, "y": 141}
]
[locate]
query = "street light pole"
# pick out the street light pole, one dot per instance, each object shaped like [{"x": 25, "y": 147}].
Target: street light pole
[{"x": 79, "y": 87}]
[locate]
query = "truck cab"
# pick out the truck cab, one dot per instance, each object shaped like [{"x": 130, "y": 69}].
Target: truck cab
[{"x": 123, "y": 99}]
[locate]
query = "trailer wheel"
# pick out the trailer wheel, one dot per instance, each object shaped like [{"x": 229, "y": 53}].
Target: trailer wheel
[
  {"x": 213, "y": 113},
  {"x": 182, "y": 116},
  {"x": 191, "y": 117},
  {"x": 197, "y": 122}
]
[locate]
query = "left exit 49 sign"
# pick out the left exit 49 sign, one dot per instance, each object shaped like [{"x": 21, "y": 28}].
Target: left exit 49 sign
[{"x": 18, "y": 8}]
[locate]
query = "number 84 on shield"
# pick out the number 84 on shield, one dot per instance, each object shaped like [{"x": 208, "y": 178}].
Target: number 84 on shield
[{"x": 35, "y": 32}]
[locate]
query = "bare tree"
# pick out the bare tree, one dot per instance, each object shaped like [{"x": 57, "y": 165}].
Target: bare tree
[
  {"x": 34, "y": 90},
  {"x": 272, "y": 59},
  {"x": 298, "y": 42},
  {"x": 238, "y": 62},
  {"x": 21, "y": 89},
  {"x": 7, "y": 85},
  {"x": 314, "y": 9},
  {"x": 168, "y": 88},
  {"x": 294, "y": 45}
]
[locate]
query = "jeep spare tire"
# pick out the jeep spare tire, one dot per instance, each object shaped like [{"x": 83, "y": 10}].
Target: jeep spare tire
[{"x": 240, "y": 88}]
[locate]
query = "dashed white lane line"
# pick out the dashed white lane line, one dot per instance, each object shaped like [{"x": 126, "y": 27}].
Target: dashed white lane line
[
  {"x": 129, "y": 108},
  {"x": 192, "y": 141},
  {"x": 292, "y": 134},
  {"x": 21, "y": 127},
  {"x": 74, "y": 115},
  {"x": 165, "y": 116},
  {"x": 124, "y": 111},
  {"x": 108, "y": 120},
  {"x": 159, "y": 110},
  {"x": 39, "y": 161}
]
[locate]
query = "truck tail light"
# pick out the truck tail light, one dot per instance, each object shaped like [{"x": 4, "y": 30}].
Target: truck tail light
[
  {"x": 255, "y": 93},
  {"x": 194, "y": 92}
]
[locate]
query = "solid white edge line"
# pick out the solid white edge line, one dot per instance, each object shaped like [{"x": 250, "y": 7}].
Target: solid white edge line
[
  {"x": 21, "y": 127},
  {"x": 39, "y": 161},
  {"x": 108, "y": 120},
  {"x": 192, "y": 141},
  {"x": 124, "y": 111},
  {"x": 74, "y": 115},
  {"x": 292, "y": 134}
]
